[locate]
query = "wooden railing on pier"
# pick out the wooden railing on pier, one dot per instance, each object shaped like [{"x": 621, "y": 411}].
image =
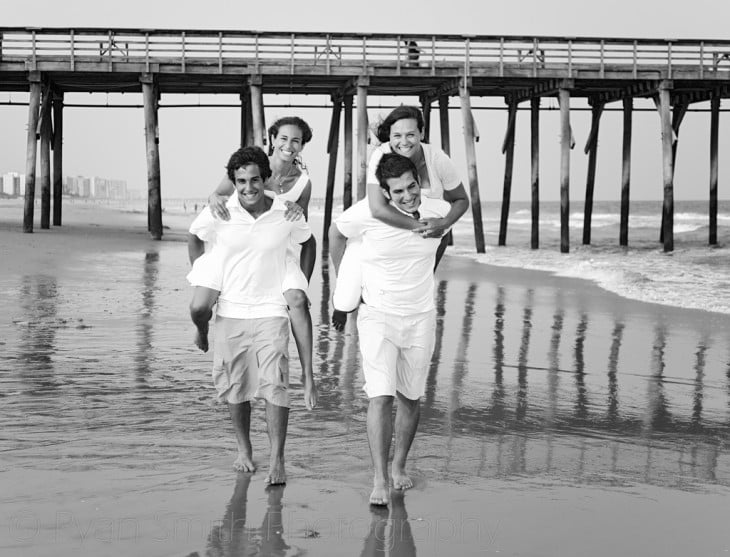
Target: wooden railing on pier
[{"x": 222, "y": 51}]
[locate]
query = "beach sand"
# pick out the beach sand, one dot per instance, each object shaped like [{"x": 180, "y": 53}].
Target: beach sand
[{"x": 559, "y": 419}]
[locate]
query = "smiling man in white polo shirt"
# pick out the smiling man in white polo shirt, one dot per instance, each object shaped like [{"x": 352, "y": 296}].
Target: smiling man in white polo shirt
[
  {"x": 397, "y": 320},
  {"x": 252, "y": 324}
]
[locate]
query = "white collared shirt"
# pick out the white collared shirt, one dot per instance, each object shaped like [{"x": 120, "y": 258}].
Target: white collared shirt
[
  {"x": 252, "y": 252},
  {"x": 397, "y": 264}
]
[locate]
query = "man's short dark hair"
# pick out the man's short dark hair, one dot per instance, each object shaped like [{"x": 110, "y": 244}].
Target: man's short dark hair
[
  {"x": 393, "y": 165},
  {"x": 402, "y": 112},
  {"x": 246, "y": 156}
]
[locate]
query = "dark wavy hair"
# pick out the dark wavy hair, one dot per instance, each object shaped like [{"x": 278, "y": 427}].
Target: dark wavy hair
[
  {"x": 246, "y": 156},
  {"x": 393, "y": 165},
  {"x": 289, "y": 121},
  {"x": 400, "y": 113}
]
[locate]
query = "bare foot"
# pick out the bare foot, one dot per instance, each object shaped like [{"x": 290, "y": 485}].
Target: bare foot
[
  {"x": 401, "y": 480},
  {"x": 244, "y": 464},
  {"x": 201, "y": 339},
  {"x": 380, "y": 494},
  {"x": 277, "y": 473}
]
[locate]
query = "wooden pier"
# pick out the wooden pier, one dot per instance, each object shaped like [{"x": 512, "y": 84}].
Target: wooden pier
[{"x": 347, "y": 68}]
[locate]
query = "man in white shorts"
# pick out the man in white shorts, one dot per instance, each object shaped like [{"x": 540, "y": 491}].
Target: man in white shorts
[
  {"x": 250, "y": 350},
  {"x": 397, "y": 321}
]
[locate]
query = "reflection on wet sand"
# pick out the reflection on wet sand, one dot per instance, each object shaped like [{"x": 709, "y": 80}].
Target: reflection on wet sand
[
  {"x": 145, "y": 322},
  {"x": 37, "y": 327},
  {"x": 390, "y": 530},
  {"x": 233, "y": 536},
  {"x": 528, "y": 382}
]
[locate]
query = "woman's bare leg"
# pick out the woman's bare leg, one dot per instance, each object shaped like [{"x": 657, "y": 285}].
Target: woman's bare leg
[{"x": 201, "y": 310}]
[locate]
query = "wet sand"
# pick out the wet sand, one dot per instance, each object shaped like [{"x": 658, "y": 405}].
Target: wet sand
[{"x": 559, "y": 419}]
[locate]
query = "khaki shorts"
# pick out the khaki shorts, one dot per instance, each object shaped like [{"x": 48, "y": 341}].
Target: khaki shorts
[
  {"x": 251, "y": 360},
  {"x": 396, "y": 351}
]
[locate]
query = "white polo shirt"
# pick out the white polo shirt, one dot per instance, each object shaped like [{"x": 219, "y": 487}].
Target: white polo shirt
[
  {"x": 397, "y": 264},
  {"x": 442, "y": 173},
  {"x": 252, "y": 253}
]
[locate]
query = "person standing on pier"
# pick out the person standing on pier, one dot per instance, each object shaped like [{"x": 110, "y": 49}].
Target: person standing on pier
[
  {"x": 291, "y": 184},
  {"x": 402, "y": 132},
  {"x": 249, "y": 256},
  {"x": 397, "y": 319}
]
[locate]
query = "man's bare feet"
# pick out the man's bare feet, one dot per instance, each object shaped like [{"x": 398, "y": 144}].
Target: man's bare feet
[
  {"x": 380, "y": 494},
  {"x": 401, "y": 479},
  {"x": 201, "y": 339},
  {"x": 244, "y": 463},
  {"x": 277, "y": 473}
]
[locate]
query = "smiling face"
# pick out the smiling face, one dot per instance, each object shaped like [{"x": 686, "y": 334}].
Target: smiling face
[
  {"x": 405, "y": 138},
  {"x": 250, "y": 187},
  {"x": 405, "y": 193},
  {"x": 288, "y": 143}
]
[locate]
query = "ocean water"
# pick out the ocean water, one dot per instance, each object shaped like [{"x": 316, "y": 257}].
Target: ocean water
[{"x": 694, "y": 275}]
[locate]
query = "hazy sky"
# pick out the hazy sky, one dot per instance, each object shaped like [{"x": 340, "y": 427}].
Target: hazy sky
[{"x": 195, "y": 143}]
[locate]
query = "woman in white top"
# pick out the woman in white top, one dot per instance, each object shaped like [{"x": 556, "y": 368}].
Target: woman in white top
[
  {"x": 290, "y": 182},
  {"x": 402, "y": 132}
]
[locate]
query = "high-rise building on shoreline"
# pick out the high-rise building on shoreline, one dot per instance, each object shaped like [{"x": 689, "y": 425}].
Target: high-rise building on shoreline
[{"x": 12, "y": 184}]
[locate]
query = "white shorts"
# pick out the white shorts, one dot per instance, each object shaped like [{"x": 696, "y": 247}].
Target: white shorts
[
  {"x": 396, "y": 351},
  {"x": 348, "y": 287},
  {"x": 251, "y": 360}
]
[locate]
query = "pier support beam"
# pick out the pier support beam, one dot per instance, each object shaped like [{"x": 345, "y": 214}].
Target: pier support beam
[
  {"x": 565, "y": 141},
  {"x": 591, "y": 149},
  {"x": 347, "y": 189},
  {"x": 34, "y": 103},
  {"x": 57, "y": 157},
  {"x": 445, "y": 142},
  {"x": 444, "y": 124},
  {"x": 508, "y": 149},
  {"x": 426, "y": 109},
  {"x": 714, "y": 132},
  {"x": 150, "y": 94},
  {"x": 257, "y": 111},
  {"x": 363, "y": 82},
  {"x": 333, "y": 143},
  {"x": 246, "y": 118},
  {"x": 626, "y": 172},
  {"x": 667, "y": 166},
  {"x": 471, "y": 160},
  {"x": 535, "y": 170},
  {"x": 678, "y": 112},
  {"x": 46, "y": 132}
]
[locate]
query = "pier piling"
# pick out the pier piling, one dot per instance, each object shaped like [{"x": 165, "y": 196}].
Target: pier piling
[
  {"x": 508, "y": 150},
  {"x": 333, "y": 143},
  {"x": 535, "y": 171},
  {"x": 150, "y": 94},
  {"x": 362, "y": 135},
  {"x": 565, "y": 141},
  {"x": 46, "y": 130},
  {"x": 471, "y": 163},
  {"x": 628, "y": 104},
  {"x": 591, "y": 149},
  {"x": 667, "y": 166},
  {"x": 347, "y": 187},
  {"x": 714, "y": 132},
  {"x": 57, "y": 156},
  {"x": 34, "y": 103}
]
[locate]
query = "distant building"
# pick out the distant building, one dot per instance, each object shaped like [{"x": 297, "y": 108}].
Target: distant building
[{"x": 11, "y": 184}]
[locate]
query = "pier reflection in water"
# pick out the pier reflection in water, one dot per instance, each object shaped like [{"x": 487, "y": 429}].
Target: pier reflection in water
[{"x": 98, "y": 372}]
